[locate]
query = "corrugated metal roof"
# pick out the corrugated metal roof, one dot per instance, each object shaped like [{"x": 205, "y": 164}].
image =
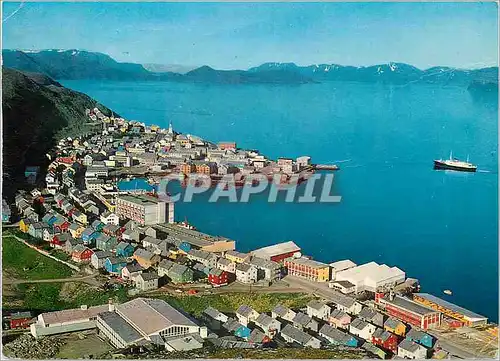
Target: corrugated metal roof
[
  {"x": 276, "y": 249},
  {"x": 451, "y": 306},
  {"x": 152, "y": 315},
  {"x": 121, "y": 327},
  {"x": 410, "y": 305}
]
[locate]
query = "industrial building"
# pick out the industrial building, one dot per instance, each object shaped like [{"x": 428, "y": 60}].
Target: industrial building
[
  {"x": 468, "y": 318},
  {"x": 371, "y": 276},
  {"x": 145, "y": 210},
  {"x": 278, "y": 252},
  {"x": 340, "y": 266},
  {"x": 198, "y": 240},
  {"x": 408, "y": 311},
  {"x": 76, "y": 319},
  {"x": 307, "y": 268},
  {"x": 144, "y": 319}
]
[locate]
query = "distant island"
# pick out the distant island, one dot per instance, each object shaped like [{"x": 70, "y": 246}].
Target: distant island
[{"x": 84, "y": 65}]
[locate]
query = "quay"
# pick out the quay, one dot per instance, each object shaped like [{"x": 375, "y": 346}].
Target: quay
[{"x": 325, "y": 167}]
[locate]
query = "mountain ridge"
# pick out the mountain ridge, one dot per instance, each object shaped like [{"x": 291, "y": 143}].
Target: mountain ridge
[{"x": 80, "y": 64}]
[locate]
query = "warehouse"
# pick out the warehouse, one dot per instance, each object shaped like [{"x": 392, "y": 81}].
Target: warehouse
[
  {"x": 340, "y": 266},
  {"x": 371, "y": 276},
  {"x": 278, "y": 252},
  {"x": 467, "y": 317},
  {"x": 408, "y": 311},
  {"x": 147, "y": 319},
  {"x": 76, "y": 319}
]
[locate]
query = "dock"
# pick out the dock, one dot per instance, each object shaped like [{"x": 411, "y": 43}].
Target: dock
[{"x": 325, "y": 167}]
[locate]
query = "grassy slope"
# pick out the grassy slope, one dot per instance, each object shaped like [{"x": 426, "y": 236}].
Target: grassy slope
[
  {"x": 261, "y": 302},
  {"x": 36, "y": 111},
  {"x": 16, "y": 257}
]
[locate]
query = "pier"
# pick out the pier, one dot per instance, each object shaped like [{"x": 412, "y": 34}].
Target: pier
[
  {"x": 321, "y": 167},
  {"x": 325, "y": 167}
]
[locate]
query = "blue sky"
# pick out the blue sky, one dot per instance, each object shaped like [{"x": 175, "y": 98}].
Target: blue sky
[{"x": 241, "y": 35}]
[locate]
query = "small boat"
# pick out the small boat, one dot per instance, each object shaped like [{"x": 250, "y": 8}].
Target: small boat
[
  {"x": 455, "y": 164},
  {"x": 447, "y": 292}
]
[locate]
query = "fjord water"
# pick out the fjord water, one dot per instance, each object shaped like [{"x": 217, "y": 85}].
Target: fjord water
[{"x": 440, "y": 227}]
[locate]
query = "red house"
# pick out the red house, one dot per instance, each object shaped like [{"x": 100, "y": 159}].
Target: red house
[
  {"x": 61, "y": 226},
  {"x": 81, "y": 254},
  {"x": 218, "y": 277},
  {"x": 59, "y": 240},
  {"x": 385, "y": 340},
  {"x": 19, "y": 320},
  {"x": 65, "y": 160}
]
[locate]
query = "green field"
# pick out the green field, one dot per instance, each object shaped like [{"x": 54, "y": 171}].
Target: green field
[
  {"x": 22, "y": 262},
  {"x": 261, "y": 302},
  {"x": 286, "y": 353},
  {"x": 58, "y": 296}
]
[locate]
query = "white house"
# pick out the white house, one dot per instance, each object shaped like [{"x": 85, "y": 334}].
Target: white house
[
  {"x": 361, "y": 328},
  {"x": 346, "y": 304},
  {"x": 269, "y": 325},
  {"x": 318, "y": 309},
  {"x": 110, "y": 218},
  {"x": 246, "y": 273},
  {"x": 283, "y": 312},
  {"x": 293, "y": 335},
  {"x": 131, "y": 271},
  {"x": 146, "y": 281},
  {"x": 411, "y": 350},
  {"x": 98, "y": 258},
  {"x": 226, "y": 265},
  {"x": 246, "y": 314}
]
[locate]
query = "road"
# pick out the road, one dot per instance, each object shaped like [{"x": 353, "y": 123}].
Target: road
[
  {"x": 453, "y": 349},
  {"x": 316, "y": 288},
  {"x": 54, "y": 280}
]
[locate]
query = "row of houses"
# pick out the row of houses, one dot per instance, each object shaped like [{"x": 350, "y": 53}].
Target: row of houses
[{"x": 318, "y": 325}]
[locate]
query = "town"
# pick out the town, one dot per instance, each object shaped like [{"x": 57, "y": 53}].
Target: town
[{"x": 97, "y": 202}]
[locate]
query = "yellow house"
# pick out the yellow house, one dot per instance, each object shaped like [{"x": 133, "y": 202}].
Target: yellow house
[
  {"x": 237, "y": 257},
  {"x": 24, "y": 225},
  {"x": 80, "y": 217},
  {"x": 145, "y": 258},
  {"x": 155, "y": 128},
  {"x": 395, "y": 326},
  {"x": 76, "y": 230}
]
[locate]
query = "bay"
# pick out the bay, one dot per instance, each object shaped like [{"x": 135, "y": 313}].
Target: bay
[{"x": 440, "y": 227}]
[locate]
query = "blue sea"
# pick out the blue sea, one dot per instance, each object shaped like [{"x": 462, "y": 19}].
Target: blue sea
[
  {"x": 136, "y": 184},
  {"x": 439, "y": 227}
]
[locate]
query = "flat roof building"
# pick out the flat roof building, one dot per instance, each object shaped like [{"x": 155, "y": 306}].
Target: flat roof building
[
  {"x": 371, "y": 276},
  {"x": 277, "y": 252},
  {"x": 469, "y": 318},
  {"x": 144, "y": 209},
  {"x": 144, "y": 319},
  {"x": 409, "y": 311},
  {"x": 308, "y": 269}
]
